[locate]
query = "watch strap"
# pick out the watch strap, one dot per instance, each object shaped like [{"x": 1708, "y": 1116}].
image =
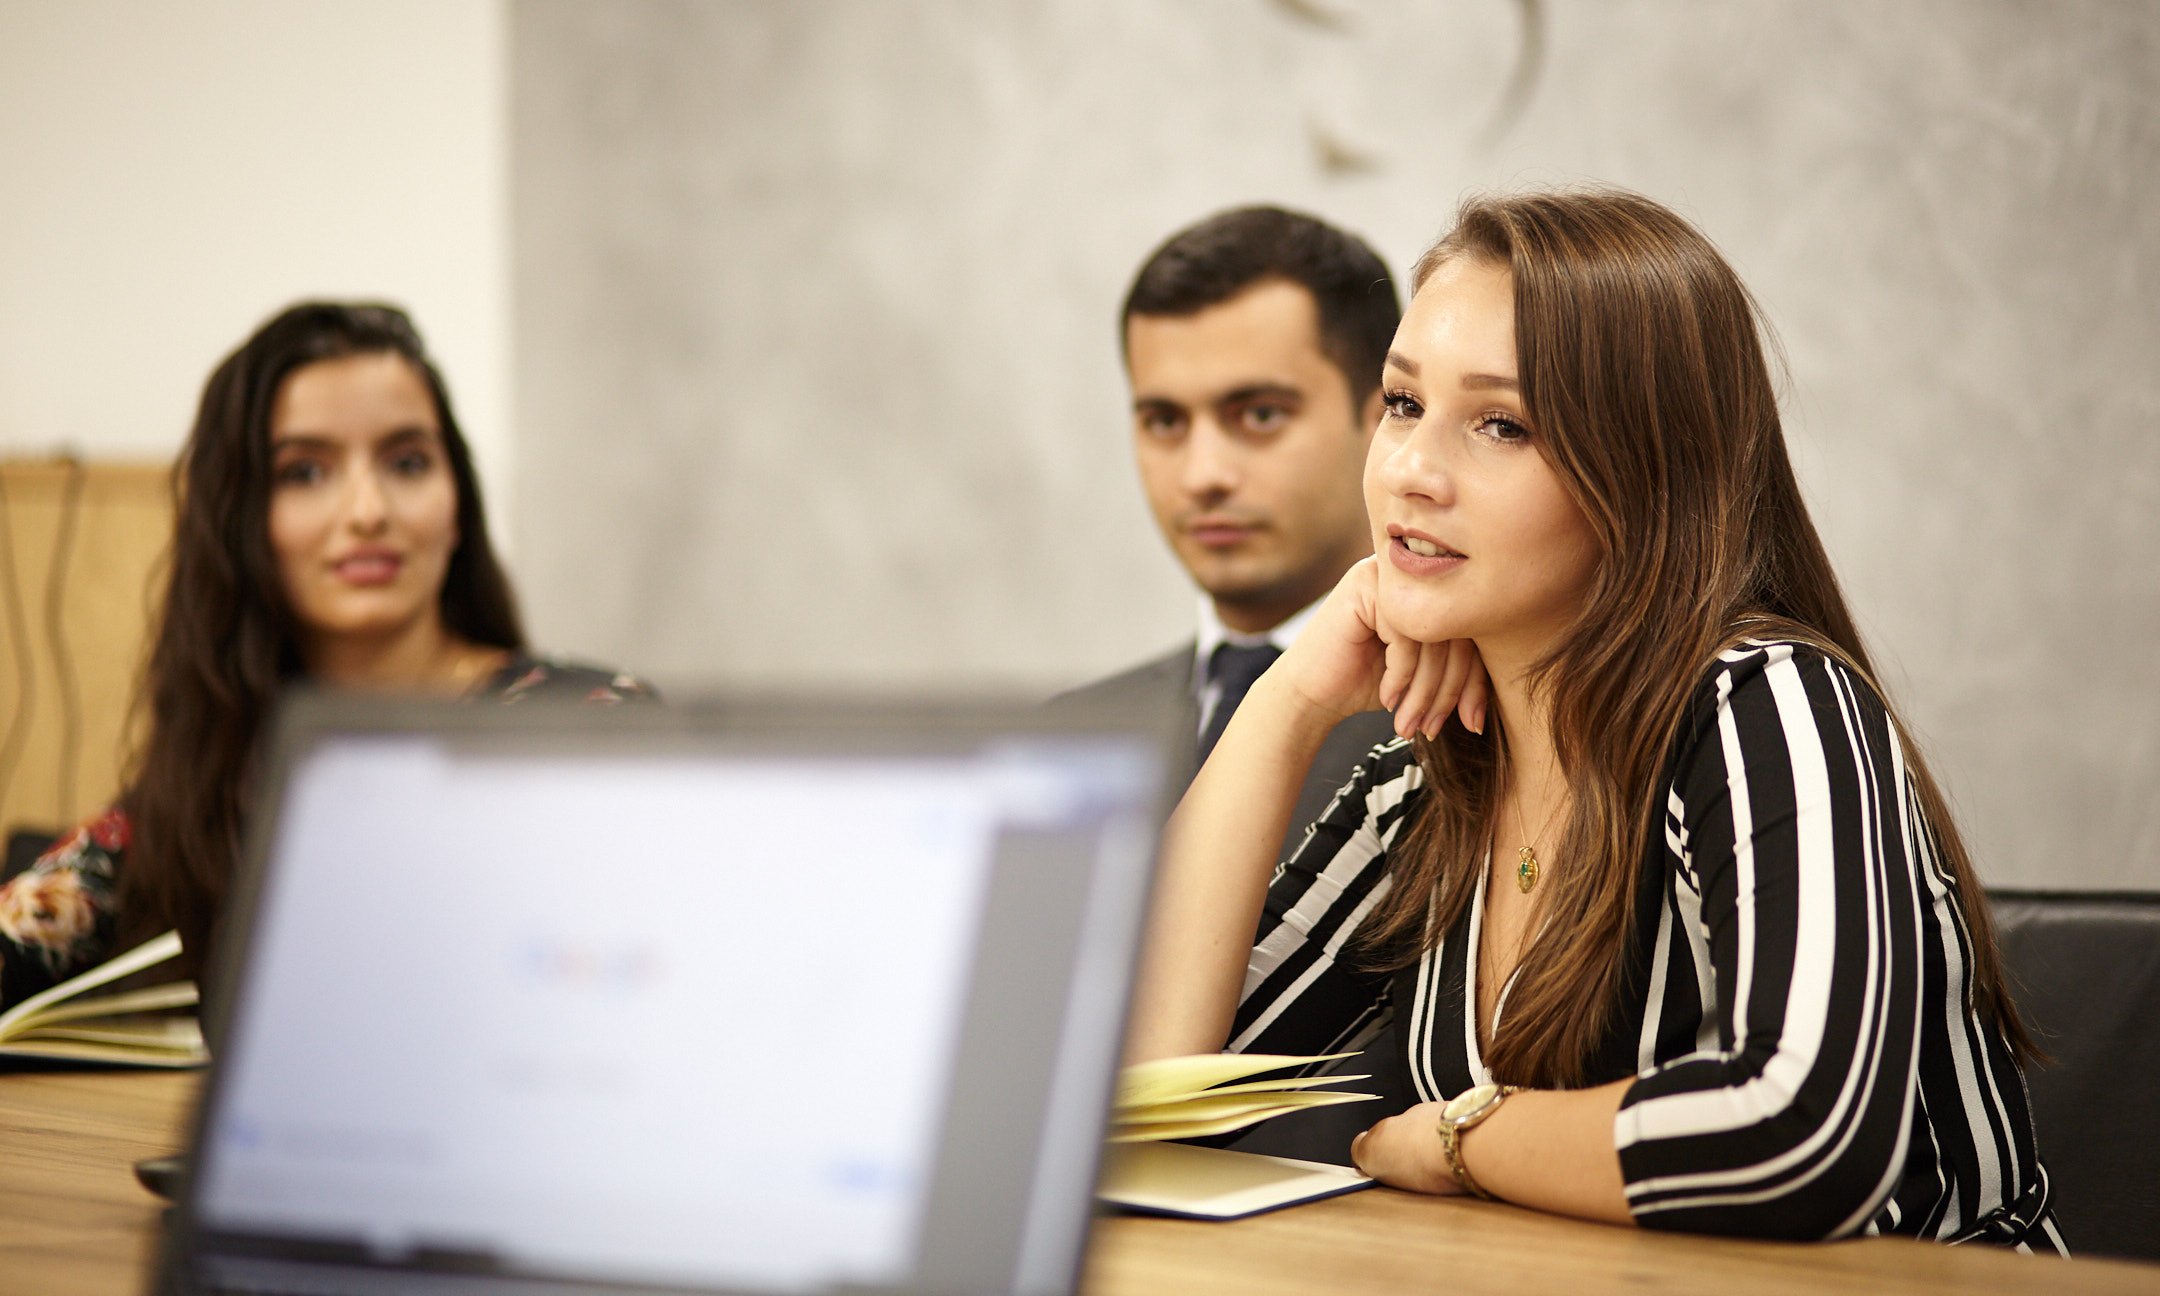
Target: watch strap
[{"x": 1451, "y": 1132}]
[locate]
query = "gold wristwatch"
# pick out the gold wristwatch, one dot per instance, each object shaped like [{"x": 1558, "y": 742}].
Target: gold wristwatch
[{"x": 1465, "y": 1111}]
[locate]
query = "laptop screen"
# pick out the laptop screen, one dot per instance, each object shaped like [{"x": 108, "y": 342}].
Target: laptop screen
[{"x": 716, "y": 1013}]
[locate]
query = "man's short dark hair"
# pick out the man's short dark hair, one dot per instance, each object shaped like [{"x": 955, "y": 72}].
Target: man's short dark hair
[{"x": 1209, "y": 263}]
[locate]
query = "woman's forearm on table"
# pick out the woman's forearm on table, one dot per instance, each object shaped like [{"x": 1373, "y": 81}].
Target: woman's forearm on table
[{"x": 1553, "y": 1150}]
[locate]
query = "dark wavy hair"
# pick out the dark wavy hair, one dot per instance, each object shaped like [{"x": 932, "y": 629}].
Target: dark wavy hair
[{"x": 227, "y": 641}]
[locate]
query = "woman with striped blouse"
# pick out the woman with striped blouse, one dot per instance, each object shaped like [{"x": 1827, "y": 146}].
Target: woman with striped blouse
[{"x": 1672, "y": 920}]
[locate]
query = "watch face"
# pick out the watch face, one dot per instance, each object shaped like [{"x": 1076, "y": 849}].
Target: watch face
[{"x": 1470, "y": 1100}]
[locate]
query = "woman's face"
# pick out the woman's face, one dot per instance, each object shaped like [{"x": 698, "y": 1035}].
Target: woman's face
[
  {"x": 1477, "y": 537},
  {"x": 363, "y": 509}
]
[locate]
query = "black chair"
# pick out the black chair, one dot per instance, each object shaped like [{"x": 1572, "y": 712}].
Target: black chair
[
  {"x": 24, "y": 845},
  {"x": 2084, "y": 968}
]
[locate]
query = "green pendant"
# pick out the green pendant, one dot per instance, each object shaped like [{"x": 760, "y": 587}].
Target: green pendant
[{"x": 1526, "y": 869}]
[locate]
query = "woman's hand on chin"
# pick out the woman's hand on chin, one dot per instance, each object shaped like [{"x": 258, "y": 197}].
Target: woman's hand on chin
[
  {"x": 1350, "y": 659},
  {"x": 1404, "y": 1152}
]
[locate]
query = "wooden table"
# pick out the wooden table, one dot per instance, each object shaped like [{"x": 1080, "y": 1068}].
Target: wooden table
[
  {"x": 1384, "y": 1241},
  {"x": 74, "y": 1223}
]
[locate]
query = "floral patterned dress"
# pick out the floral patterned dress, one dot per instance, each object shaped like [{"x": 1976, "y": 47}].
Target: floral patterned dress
[{"x": 60, "y": 916}]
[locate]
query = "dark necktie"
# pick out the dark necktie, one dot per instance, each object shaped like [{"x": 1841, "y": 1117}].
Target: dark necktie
[{"x": 1232, "y": 669}]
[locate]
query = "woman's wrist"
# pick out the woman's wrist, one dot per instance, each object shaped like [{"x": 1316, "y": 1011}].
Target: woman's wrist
[
  {"x": 1458, "y": 1117},
  {"x": 1289, "y": 712},
  {"x": 1405, "y": 1151}
]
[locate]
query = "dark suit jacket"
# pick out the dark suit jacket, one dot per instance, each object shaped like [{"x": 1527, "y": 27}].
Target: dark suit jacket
[
  {"x": 1324, "y": 1133},
  {"x": 1166, "y": 683}
]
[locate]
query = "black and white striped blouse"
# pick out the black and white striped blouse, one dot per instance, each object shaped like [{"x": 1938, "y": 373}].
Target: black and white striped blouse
[{"x": 1804, "y": 1063}]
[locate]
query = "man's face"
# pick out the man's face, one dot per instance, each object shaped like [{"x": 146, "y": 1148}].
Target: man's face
[{"x": 1251, "y": 451}]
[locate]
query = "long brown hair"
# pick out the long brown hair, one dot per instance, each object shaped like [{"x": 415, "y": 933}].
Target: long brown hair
[
  {"x": 1643, "y": 373},
  {"x": 227, "y": 641}
]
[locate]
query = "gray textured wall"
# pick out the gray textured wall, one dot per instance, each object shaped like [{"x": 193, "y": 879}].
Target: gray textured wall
[{"x": 816, "y": 360}]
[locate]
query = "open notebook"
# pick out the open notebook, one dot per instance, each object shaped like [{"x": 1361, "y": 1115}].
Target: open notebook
[
  {"x": 765, "y": 999},
  {"x": 1215, "y": 1093},
  {"x": 79, "y": 1020}
]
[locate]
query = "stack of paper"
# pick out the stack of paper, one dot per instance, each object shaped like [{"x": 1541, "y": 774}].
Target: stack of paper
[{"x": 1214, "y": 1093}]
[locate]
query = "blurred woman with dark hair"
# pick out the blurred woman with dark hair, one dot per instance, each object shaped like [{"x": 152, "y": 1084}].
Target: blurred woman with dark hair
[
  {"x": 329, "y": 529},
  {"x": 1675, "y": 926}
]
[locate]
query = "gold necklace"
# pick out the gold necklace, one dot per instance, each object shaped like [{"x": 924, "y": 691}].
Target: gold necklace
[{"x": 1526, "y": 860}]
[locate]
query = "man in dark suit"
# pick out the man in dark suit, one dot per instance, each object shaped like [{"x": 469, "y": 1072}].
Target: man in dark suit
[{"x": 1254, "y": 342}]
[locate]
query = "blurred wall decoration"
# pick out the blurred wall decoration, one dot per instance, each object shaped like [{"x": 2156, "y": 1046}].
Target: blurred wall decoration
[{"x": 818, "y": 369}]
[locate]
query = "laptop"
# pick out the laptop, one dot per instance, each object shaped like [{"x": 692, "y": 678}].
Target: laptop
[{"x": 738, "y": 999}]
